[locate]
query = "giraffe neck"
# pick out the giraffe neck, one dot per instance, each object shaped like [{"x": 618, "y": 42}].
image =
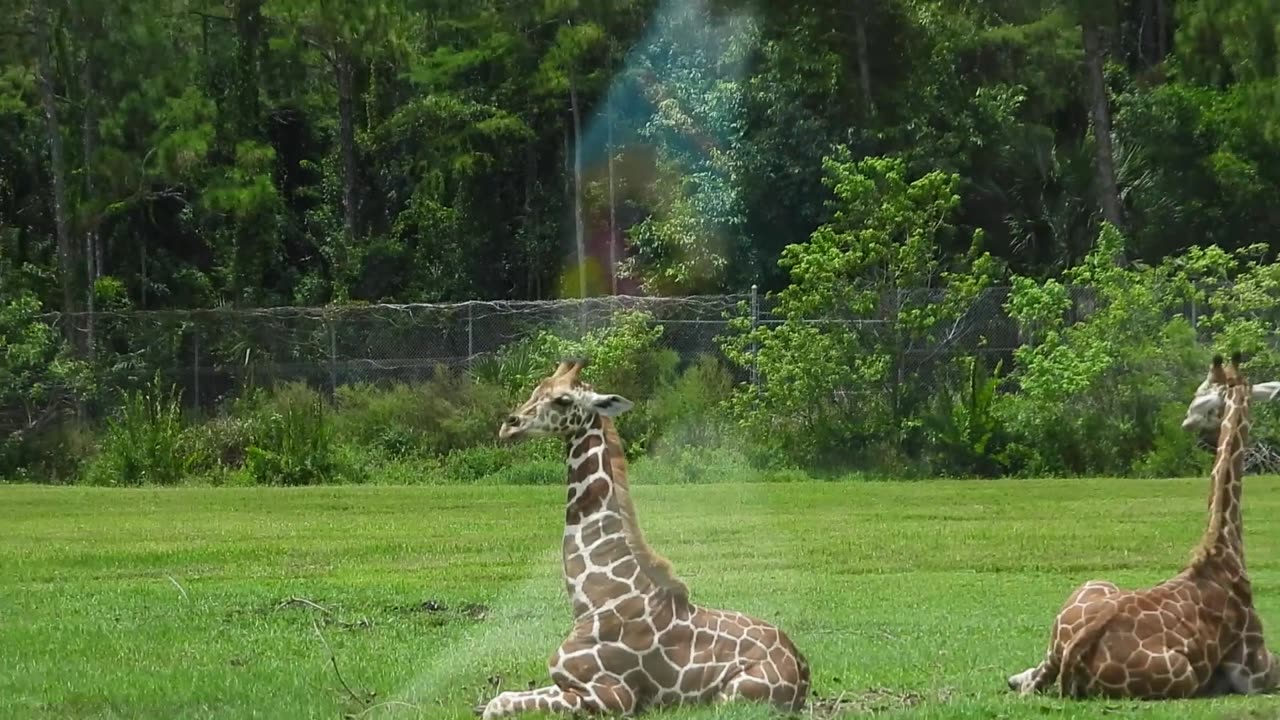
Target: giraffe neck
[
  {"x": 1223, "y": 540},
  {"x": 600, "y": 565}
]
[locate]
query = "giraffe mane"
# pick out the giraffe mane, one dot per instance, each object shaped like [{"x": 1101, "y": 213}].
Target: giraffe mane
[
  {"x": 655, "y": 567},
  {"x": 1208, "y": 548}
]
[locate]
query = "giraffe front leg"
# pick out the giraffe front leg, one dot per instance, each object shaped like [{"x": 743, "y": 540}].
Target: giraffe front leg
[
  {"x": 1034, "y": 679},
  {"x": 1249, "y": 668},
  {"x": 604, "y": 697},
  {"x": 547, "y": 699}
]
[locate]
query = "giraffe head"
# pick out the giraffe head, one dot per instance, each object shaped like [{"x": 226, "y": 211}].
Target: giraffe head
[
  {"x": 561, "y": 406},
  {"x": 1204, "y": 414}
]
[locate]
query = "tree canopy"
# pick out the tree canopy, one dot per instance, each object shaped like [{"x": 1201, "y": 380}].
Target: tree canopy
[{"x": 190, "y": 153}]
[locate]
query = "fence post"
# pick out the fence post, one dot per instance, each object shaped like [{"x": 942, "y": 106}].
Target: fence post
[
  {"x": 195, "y": 371},
  {"x": 755, "y": 345},
  {"x": 471, "y": 345},
  {"x": 333, "y": 356}
]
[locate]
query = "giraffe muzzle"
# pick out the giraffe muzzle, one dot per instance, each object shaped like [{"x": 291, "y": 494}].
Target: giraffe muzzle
[{"x": 511, "y": 429}]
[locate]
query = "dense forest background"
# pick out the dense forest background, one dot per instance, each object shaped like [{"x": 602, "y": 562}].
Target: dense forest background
[
  {"x": 188, "y": 153},
  {"x": 996, "y": 237}
]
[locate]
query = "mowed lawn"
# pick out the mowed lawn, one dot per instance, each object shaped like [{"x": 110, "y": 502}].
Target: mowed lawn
[{"x": 910, "y": 599}]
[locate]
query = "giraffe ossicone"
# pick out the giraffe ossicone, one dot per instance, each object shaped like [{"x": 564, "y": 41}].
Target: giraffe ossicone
[
  {"x": 1194, "y": 634},
  {"x": 637, "y": 640}
]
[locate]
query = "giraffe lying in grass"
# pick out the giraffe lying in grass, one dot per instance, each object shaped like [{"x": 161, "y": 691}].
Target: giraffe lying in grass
[
  {"x": 637, "y": 640},
  {"x": 1195, "y": 634}
]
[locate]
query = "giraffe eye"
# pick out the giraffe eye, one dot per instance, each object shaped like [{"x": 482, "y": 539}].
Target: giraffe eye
[{"x": 562, "y": 400}]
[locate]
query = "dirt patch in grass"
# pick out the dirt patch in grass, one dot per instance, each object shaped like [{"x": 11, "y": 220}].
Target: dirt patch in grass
[
  {"x": 439, "y": 609},
  {"x": 871, "y": 702}
]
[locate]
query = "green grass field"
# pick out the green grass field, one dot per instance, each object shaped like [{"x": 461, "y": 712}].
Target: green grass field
[{"x": 912, "y": 599}]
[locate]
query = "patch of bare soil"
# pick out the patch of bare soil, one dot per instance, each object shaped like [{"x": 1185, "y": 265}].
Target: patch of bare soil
[{"x": 870, "y": 702}]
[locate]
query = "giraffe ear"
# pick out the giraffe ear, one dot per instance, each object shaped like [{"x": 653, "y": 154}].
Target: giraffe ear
[{"x": 609, "y": 405}]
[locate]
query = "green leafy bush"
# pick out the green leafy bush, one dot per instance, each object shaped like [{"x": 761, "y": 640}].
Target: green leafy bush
[
  {"x": 712, "y": 464},
  {"x": 58, "y": 454},
  {"x": 490, "y": 463},
  {"x": 1091, "y": 391},
  {"x": 145, "y": 442},
  {"x": 293, "y": 441},
  {"x": 693, "y": 409},
  {"x": 223, "y": 441},
  {"x": 529, "y": 472},
  {"x": 40, "y": 380},
  {"x": 626, "y": 358},
  {"x": 965, "y": 432},
  {"x": 1175, "y": 452},
  {"x": 830, "y": 382},
  {"x": 448, "y": 412}
]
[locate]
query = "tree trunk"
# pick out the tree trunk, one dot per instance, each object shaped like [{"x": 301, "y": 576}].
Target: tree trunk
[
  {"x": 864, "y": 56},
  {"x": 89, "y": 36},
  {"x": 568, "y": 163},
  {"x": 613, "y": 208},
  {"x": 531, "y": 265},
  {"x": 1162, "y": 29},
  {"x": 89, "y": 143},
  {"x": 248, "y": 24},
  {"x": 579, "y": 229},
  {"x": 1109, "y": 195},
  {"x": 57, "y": 160},
  {"x": 347, "y": 143}
]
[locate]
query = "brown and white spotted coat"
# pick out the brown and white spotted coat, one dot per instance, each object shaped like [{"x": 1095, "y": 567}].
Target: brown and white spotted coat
[
  {"x": 1195, "y": 634},
  {"x": 637, "y": 640}
]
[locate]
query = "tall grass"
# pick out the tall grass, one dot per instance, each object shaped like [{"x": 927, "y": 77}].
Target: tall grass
[
  {"x": 144, "y": 442},
  {"x": 293, "y": 441}
]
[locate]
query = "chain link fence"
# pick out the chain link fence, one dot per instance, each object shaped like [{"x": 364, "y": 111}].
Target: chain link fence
[{"x": 211, "y": 354}]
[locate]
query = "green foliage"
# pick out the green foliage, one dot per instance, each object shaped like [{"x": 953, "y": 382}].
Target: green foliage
[
  {"x": 56, "y": 455},
  {"x": 535, "y": 463},
  {"x": 1174, "y": 452},
  {"x": 304, "y": 152},
  {"x": 963, "y": 427},
  {"x": 528, "y": 472},
  {"x": 516, "y": 367},
  {"x": 39, "y": 380},
  {"x": 1224, "y": 41},
  {"x": 145, "y": 442},
  {"x": 299, "y": 151},
  {"x": 626, "y": 358},
  {"x": 36, "y": 364},
  {"x": 621, "y": 352},
  {"x": 693, "y": 233},
  {"x": 293, "y": 441},
  {"x": 448, "y": 412},
  {"x": 685, "y": 465},
  {"x": 1199, "y": 164},
  {"x": 829, "y": 381},
  {"x": 1091, "y": 391},
  {"x": 692, "y": 410}
]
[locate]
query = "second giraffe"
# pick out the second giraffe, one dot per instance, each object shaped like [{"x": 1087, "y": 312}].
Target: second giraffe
[{"x": 1195, "y": 634}]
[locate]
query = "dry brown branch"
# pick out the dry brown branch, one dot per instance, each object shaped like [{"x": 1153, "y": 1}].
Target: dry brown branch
[
  {"x": 295, "y": 600},
  {"x": 333, "y": 660},
  {"x": 180, "y": 588}
]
